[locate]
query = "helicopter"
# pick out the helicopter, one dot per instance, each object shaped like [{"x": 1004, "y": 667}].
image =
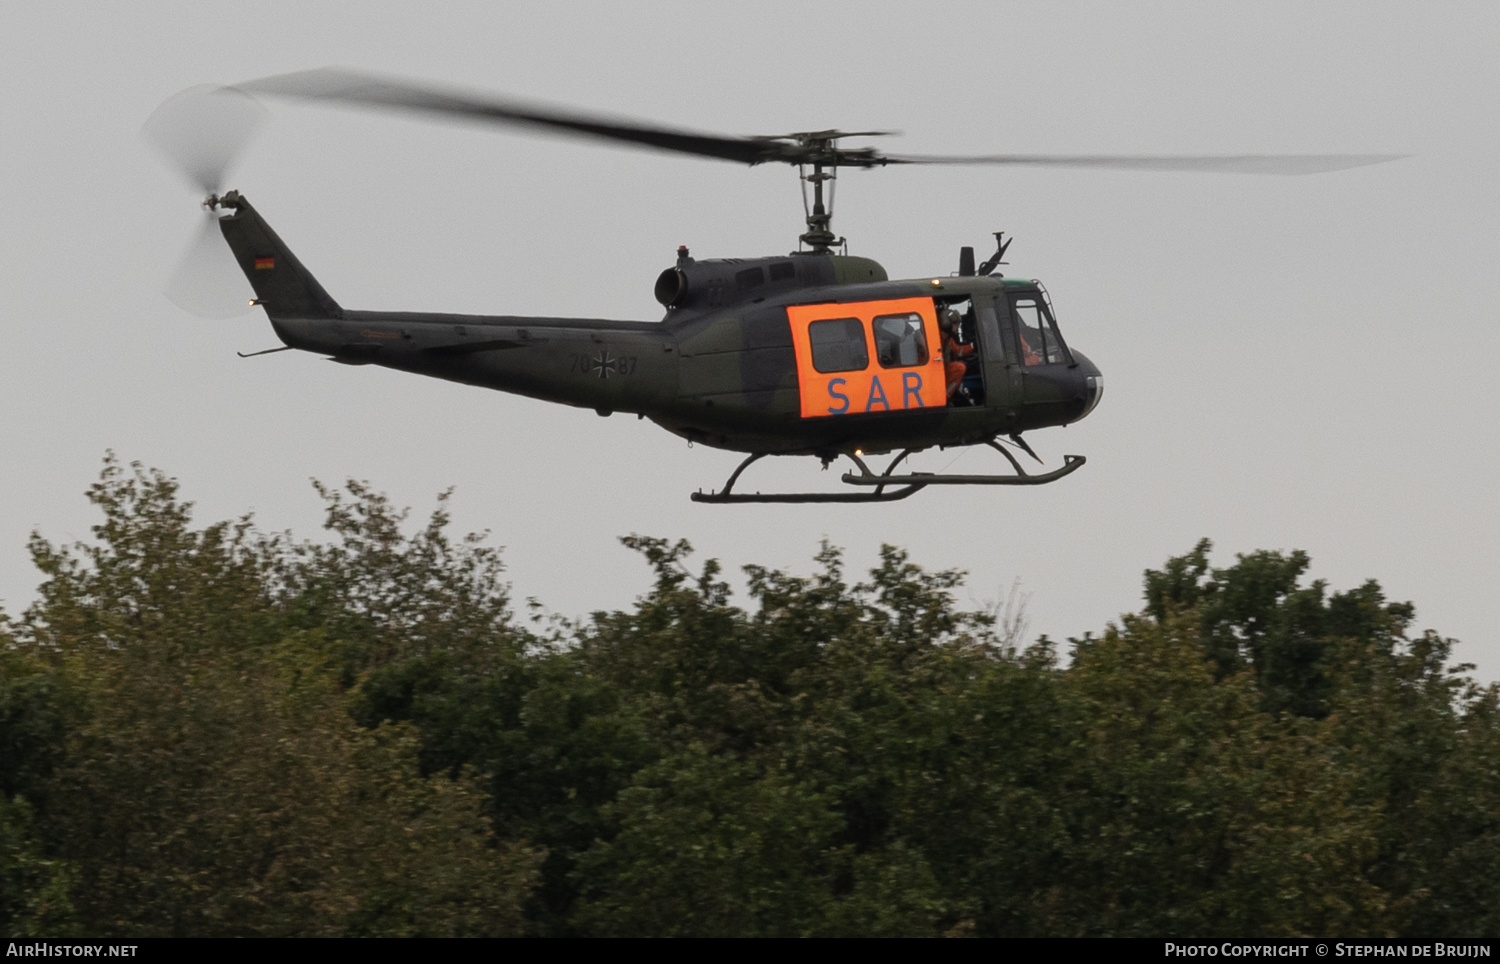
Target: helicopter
[{"x": 813, "y": 353}]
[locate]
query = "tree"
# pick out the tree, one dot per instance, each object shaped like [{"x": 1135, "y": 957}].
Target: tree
[
  {"x": 35, "y": 890},
  {"x": 1256, "y": 614},
  {"x": 1417, "y": 739},
  {"x": 213, "y": 781},
  {"x": 214, "y": 730}
]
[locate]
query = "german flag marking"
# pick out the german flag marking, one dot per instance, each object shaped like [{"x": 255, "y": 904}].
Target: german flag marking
[{"x": 264, "y": 264}]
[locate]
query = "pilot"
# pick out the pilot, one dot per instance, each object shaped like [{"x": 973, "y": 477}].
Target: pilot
[
  {"x": 1028, "y": 354},
  {"x": 954, "y": 351}
]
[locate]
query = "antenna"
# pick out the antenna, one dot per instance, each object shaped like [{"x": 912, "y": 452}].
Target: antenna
[{"x": 993, "y": 261}]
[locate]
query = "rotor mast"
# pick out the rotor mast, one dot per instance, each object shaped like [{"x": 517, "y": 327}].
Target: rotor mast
[
  {"x": 820, "y": 149},
  {"x": 819, "y": 234}
]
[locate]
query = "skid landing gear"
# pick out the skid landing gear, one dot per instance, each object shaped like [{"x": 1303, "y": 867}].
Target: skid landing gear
[{"x": 900, "y": 486}]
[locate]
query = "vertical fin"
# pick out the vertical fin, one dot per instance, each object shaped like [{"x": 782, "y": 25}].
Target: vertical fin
[{"x": 282, "y": 285}]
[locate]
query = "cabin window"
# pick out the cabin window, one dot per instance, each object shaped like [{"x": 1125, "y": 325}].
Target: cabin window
[
  {"x": 783, "y": 271},
  {"x": 1040, "y": 344},
  {"x": 838, "y": 345},
  {"x": 900, "y": 341}
]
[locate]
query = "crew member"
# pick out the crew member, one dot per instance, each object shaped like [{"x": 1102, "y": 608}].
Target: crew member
[{"x": 954, "y": 351}]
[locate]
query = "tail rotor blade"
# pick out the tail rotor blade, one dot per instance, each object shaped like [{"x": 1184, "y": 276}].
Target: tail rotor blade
[
  {"x": 202, "y": 130},
  {"x": 208, "y": 282}
]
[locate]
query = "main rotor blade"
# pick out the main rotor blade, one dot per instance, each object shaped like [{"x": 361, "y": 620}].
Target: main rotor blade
[
  {"x": 202, "y": 130},
  {"x": 334, "y": 84},
  {"x": 350, "y": 87},
  {"x": 1226, "y": 163}
]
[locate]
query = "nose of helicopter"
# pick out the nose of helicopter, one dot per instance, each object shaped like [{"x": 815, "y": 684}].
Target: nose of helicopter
[{"x": 1093, "y": 384}]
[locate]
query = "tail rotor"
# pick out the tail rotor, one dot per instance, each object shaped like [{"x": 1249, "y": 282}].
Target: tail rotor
[{"x": 201, "y": 132}]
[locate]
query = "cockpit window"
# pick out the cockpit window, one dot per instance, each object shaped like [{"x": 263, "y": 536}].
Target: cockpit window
[
  {"x": 900, "y": 341},
  {"x": 1040, "y": 344},
  {"x": 838, "y": 345}
]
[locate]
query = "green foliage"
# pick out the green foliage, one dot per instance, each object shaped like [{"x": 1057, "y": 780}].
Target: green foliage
[
  {"x": 214, "y": 730},
  {"x": 35, "y": 892},
  {"x": 211, "y": 779},
  {"x": 1201, "y": 814},
  {"x": 1255, "y": 614},
  {"x": 710, "y": 845},
  {"x": 1402, "y": 722}
]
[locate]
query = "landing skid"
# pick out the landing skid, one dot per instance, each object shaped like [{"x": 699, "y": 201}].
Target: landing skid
[{"x": 901, "y": 486}]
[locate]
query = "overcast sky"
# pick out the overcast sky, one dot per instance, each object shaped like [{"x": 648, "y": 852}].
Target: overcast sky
[{"x": 1290, "y": 362}]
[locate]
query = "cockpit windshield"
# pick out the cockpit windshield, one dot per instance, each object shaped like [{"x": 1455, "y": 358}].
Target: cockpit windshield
[{"x": 1037, "y": 332}]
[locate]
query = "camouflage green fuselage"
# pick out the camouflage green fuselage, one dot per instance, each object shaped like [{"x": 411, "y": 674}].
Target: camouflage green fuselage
[{"x": 719, "y": 369}]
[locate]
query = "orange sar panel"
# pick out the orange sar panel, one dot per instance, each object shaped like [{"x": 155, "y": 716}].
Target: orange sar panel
[{"x": 850, "y": 388}]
